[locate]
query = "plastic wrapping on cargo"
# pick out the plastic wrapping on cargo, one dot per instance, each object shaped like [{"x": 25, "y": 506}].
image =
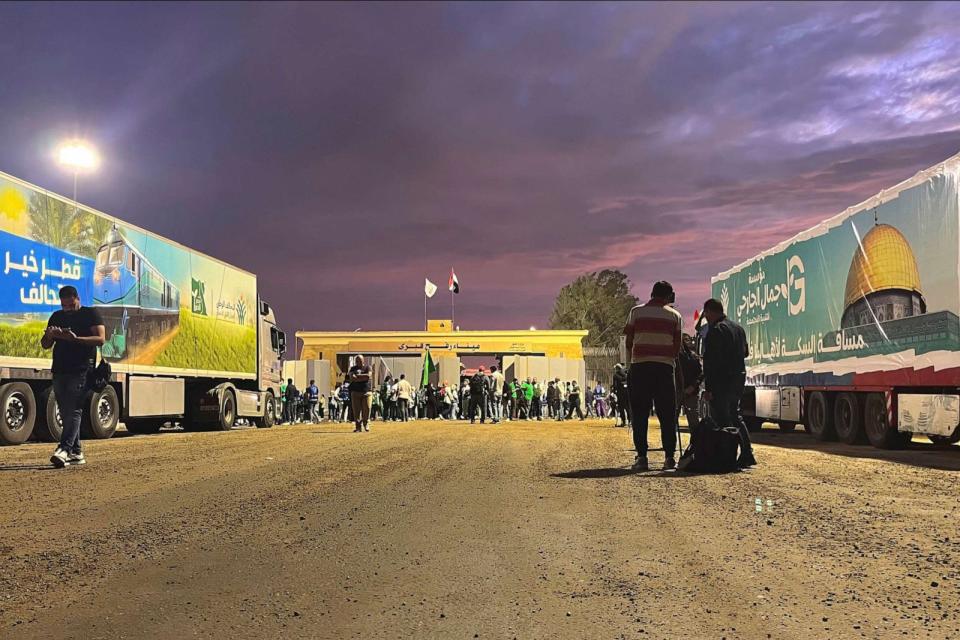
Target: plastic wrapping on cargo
[{"x": 870, "y": 296}]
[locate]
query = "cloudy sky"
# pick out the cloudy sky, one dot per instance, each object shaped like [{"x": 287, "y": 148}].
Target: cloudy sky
[{"x": 344, "y": 152}]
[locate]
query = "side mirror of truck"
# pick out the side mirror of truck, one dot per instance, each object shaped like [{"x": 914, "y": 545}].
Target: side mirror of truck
[{"x": 282, "y": 342}]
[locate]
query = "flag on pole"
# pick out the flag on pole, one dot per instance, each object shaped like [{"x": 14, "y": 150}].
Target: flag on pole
[
  {"x": 454, "y": 283},
  {"x": 429, "y": 288},
  {"x": 429, "y": 366}
]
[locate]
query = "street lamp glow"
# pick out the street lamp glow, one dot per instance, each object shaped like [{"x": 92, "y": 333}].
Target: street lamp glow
[{"x": 77, "y": 155}]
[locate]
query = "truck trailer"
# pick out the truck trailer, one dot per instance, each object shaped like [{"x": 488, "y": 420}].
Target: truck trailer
[
  {"x": 188, "y": 337},
  {"x": 853, "y": 324}
]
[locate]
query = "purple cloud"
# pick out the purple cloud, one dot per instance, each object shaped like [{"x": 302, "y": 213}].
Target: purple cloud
[{"x": 344, "y": 152}]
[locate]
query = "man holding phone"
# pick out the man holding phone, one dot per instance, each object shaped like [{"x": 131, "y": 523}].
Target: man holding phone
[{"x": 74, "y": 332}]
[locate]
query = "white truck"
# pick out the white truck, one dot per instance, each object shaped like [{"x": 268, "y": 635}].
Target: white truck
[
  {"x": 853, "y": 324},
  {"x": 187, "y": 336}
]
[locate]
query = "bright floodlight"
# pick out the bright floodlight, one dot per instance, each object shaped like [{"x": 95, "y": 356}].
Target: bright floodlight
[{"x": 77, "y": 155}]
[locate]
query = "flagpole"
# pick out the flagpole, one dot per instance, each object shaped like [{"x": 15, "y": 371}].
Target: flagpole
[
  {"x": 424, "y": 310},
  {"x": 453, "y": 313}
]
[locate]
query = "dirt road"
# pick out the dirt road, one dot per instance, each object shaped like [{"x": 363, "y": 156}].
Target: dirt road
[{"x": 456, "y": 531}]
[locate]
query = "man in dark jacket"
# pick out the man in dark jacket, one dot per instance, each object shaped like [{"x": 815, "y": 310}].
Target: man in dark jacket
[
  {"x": 292, "y": 395},
  {"x": 478, "y": 398},
  {"x": 724, "y": 370}
]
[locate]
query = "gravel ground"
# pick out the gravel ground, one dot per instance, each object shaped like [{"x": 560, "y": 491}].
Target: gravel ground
[{"x": 447, "y": 530}]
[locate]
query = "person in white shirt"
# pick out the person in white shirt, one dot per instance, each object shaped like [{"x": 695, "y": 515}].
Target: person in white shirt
[
  {"x": 404, "y": 393},
  {"x": 496, "y": 384}
]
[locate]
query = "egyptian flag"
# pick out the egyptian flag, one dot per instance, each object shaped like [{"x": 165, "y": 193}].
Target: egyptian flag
[{"x": 454, "y": 284}]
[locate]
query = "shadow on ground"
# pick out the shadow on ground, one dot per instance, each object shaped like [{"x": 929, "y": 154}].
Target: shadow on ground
[
  {"x": 918, "y": 454},
  {"x": 618, "y": 472}
]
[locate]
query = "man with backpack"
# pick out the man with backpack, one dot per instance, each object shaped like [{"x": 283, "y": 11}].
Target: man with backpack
[{"x": 724, "y": 353}]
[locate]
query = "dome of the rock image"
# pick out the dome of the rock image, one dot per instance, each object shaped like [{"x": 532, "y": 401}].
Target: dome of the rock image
[{"x": 883, "y": 282}]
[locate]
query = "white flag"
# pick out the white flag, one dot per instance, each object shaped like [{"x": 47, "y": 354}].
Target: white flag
[{"x": 429, "y": 288}]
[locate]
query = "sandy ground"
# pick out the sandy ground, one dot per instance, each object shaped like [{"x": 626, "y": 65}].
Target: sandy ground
[{"x": 440, "y": 530}]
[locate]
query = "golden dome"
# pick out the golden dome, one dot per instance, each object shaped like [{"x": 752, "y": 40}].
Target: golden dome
[{"x": 885, "y": 262}]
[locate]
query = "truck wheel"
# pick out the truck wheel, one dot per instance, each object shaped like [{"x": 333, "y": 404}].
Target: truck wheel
[
  {"x": 879, "y": 431},
  {"x": 48, "y": 427},
  {"x": 847, "y": 419},
  {"x": 144, "y": 426},
  {"x": 19, "y": 412},
  {"x": 102, "y": 414},
  {"x": 269, "y": 413},
  {"x": 820, "y": 416},
  {"x": 753, "y": 423},
  {"x": 787, "y": 427},
  {"x": 228, "y": 411}
]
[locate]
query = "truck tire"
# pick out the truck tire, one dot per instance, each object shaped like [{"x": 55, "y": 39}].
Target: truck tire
[
  {"x": 820, "y": 416},
  {"x": 848, "y": 418},
  {"x": 48, "y": 427},
  {"x": 753, "y": 423},
  {"x": 228, "y": 411},
  {"x": 879, "y": 431},
  {"x": 101, "y": 415},
  {"x": 269, "y": 413},
  {"x": 144, "y": 426},
  {"x": 19, "y": 412},
  {"x": 787, "y": 427}
]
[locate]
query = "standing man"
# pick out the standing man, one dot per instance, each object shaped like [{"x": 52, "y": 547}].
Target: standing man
[
  {"x": 478, "y": 389},
  {"x": 283, "y": 401},
  {"x": 653, "y": 341},
  {"x": 573, "y": 401},
  {"x": 496, "y": 393},
  {"x": 75, "y": 332},
  {"x": 313, "y": 398},
  {"x": 360, "y": 394},
  {"x": 724, "y": 352},
  {"x": 536, "y": 410},
  {"x": 620, "y": 391},
  {"x": 290, "y": 396},
  {"x": 404, "y": 393}
]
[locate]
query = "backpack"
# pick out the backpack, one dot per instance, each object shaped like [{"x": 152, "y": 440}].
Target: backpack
[
  {"x": 713, "y": 449},
  {"x": 477, "y": 384},
  {"x": 99, "y": 376}
]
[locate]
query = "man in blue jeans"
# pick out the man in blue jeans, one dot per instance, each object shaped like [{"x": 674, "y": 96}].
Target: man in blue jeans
[
  {"x": 724, "y": 352},
  {"x": 75, "y": 332}
]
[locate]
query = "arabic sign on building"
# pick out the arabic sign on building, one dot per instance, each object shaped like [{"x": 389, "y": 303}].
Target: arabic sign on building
[{"x": 882, "y": 281}]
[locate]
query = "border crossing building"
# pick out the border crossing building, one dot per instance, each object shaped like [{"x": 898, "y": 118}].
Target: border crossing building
[{"x": 326, "y": 356}]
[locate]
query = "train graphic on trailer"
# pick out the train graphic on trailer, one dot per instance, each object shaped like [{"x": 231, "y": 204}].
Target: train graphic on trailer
[{"x": 137, "y": 303}]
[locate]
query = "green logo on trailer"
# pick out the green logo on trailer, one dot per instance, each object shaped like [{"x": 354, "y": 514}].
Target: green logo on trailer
[
  {"x": 199, "y": 297},
  {"x": 241, "y": 310}
]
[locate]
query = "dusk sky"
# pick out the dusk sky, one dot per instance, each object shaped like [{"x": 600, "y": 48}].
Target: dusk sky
[{"x": 345, "y": 152}]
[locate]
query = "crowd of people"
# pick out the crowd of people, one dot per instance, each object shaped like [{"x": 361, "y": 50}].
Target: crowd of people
[{"x": 486, "y": 395}]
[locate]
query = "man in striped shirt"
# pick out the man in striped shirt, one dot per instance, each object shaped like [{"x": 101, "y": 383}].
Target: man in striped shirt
[{"x": 653, "y": 336}]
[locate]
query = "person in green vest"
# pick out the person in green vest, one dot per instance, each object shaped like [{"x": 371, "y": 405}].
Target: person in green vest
[
  {"x": 283, "y": 401},
  {"x": 527, "y": 390}
]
